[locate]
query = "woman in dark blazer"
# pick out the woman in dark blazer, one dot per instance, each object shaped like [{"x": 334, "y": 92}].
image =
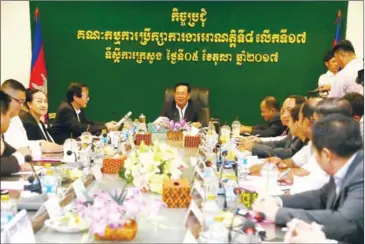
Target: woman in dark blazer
[{"x": 37, "y": 104}]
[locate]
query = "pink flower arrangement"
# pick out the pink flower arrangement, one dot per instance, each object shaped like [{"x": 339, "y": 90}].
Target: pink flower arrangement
[
  {"x": 181, "y": 125},
  {"x": 115, "y": 209}
]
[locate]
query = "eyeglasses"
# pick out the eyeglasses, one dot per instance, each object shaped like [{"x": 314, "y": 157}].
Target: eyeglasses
[
  {"x": 20, "y": 101},
  {"x": 85, "y": 96}
]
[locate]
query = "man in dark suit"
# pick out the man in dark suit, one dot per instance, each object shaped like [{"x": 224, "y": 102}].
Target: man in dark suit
[
  {"x": 284, "y": 148},
  {"x": 11, "y": 160},
  {"x": 339, "y": 204},
  {"x": 270, "y": 113},
  {"x": 70, "y": 119},
  {"x": 183, "y": 107}
]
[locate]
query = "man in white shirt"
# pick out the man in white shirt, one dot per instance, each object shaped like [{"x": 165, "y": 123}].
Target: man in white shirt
[
  {"x": 307, "y": 161},
  {"x": 16, "y": 135},
  {"x": 304, "y": 133},
  {"x": 11, "y": 160},
  {"x": 338, "y": 205},
  {"x": 360, "y": 81},
  {"x": 345, "y": 80},
  {"x": 332, "y": 69}
]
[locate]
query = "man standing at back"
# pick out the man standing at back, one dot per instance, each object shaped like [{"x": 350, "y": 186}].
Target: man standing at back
[
  {"x": 70, "y": 119},
  {"x": 182, "y": 107},
  {"x": 345, "y": 80}
]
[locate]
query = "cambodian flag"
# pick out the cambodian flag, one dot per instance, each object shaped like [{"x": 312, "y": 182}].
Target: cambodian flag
[
  {"x": 338, "y": 30},
  {"x": 38, "y": 75}
]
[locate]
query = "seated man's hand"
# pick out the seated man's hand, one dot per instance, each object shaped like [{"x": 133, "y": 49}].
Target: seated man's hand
[
  {"x": 112, "y": 126},
  {"x": 47, "y": 146},
  {"x": 25, "y": 151},
  {"x": 248, "y": 144},
  {"x": 323, "y": 88},
  {"x": 246, "y": 129},
  {"x": 255, "y": 169},
  {"x": 302, "y": 232},
  {"x": 254, "y": 139},
  {"x": 196, "y": 124},
  {"x": 287, "y": 179}
]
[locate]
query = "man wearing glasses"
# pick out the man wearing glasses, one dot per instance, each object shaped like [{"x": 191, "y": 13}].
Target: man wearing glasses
[
  {"x": 16, "y": 136},
  {"x": 70, "y": 118}
]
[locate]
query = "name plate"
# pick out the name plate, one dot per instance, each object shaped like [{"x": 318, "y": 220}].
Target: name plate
[
  {"x": 19, "y": 229},
  {"x": 248, "y": 198}
]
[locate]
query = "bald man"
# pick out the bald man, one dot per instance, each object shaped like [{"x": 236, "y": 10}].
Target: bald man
[{"x": 270, "y": 113}]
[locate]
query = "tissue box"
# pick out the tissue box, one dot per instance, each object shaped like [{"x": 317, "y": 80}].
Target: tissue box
[
  {"x": 191, "y": 141},
  {"x": 175, "y": 135},
  {"x": 176, "y": 193},
  {"x": 112, "y": 165},
  {"x": 146, "y": 137}
]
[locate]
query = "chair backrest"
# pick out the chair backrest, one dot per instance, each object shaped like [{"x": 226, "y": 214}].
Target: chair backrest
[{"x": 199, "y": 95}]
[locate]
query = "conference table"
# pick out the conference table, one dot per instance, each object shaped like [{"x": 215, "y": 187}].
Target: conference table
[{"x": 170, "y": 223}]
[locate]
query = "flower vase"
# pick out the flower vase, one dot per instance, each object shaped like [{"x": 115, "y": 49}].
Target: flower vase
[
  {"x": 175, "y": 135},
  {"x": 125, "y": 233}
]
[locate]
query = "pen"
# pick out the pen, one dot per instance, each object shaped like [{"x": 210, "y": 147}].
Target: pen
[{"x": 284, "y": 173}]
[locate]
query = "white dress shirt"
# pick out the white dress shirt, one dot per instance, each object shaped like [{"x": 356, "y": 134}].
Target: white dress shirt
[
  {"x": 45, "y": 133},
  {"x": 272, "y": 139},
  {"x": 315, "y": 180},
  {"x": 341, "y": 173},
  {"x": 182, "y": 111},
  {"x": 303, "y": 155},
  {"x": 19, "y": 157},
  {"x": 17, "y": 137},
  {"x": 345, "y": 80},
  {"x": 326, "y": 78},
  {"x": 78, "y": 111}
]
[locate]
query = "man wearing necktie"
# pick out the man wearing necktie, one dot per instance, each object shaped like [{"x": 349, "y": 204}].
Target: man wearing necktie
[{"x": 339, "y": 204}]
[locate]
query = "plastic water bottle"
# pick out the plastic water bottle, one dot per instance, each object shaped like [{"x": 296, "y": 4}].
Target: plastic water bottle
[
  {"x": 115, "y": 138},
  {"x": 210, "y": 210},
  {"x": 8, "y": 209},
  {"x": 50, "y": 181},
  {"x": 211, "y": 181},
  {"x": 270, "y": 173},
  {"x": 243, "y": 170}
]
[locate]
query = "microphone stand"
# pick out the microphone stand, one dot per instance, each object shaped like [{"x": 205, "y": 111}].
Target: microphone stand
[{"x": 33, "y": 187}]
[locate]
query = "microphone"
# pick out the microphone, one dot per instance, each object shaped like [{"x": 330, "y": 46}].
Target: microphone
[
  {"x": 69, "y": 153},
  {"x": 249, "y": 229},
  {"x": 259, "y": 216},
  {"x": 32, "y": 187},
  {"x": 124, "y": 118}
]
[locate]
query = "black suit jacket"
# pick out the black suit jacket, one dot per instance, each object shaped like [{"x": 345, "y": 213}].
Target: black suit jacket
[
  {"x": 67, "y": 125},
  {"x": 283, "y": 149},
  {"x": 9, "y": 164},
  {"x": 192, "y": 112},
  {"x": 31, "y": 126},
  {"x": 342, "y": 214},
  {"x": 272, "y": 128}
]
